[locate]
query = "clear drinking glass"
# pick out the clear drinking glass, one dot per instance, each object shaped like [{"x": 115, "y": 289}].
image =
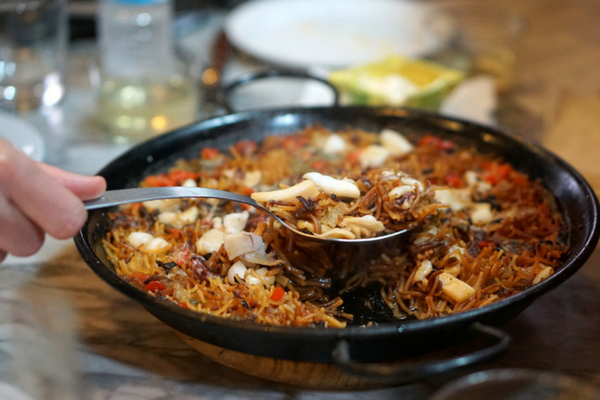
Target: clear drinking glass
[
  {"x": 146, "y": 86},
  {"x": 33, "y": 51}
]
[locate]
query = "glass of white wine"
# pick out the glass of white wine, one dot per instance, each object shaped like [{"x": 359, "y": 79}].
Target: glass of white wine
[
  {"x": 137, "y": 107},
  {"x": 145, "y": 85}
]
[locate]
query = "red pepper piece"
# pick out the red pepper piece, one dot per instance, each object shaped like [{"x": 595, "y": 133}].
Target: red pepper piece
[
  {"x": 278, "y": 294},
  {"x": 209, "y": 152},
  {"x": 155, "y": 286}
]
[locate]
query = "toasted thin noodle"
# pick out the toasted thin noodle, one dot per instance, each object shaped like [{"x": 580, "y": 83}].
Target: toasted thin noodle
[{"x": 497, "y": 259}]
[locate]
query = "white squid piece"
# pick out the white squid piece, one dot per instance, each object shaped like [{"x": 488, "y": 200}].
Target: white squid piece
[
  {"x": 373, "y": 156},
  {"x": 252, "y": 279},
  {"x": 305, "y": 189},
  {"x": 395, "y": 143},
  {"x": 424, "y": 269},
  {"x": 543, "y": 274},
  {"x": 454, "y": 288},
  {"x": 334, "y": 144},
  {"x": 237, "y": 269},
  {"x": 138, "y": 239},
  {"x": 210, "y": 241},
  {"x": 367, "y": 222},
  {"x": 481, "y": 213},
  {"x": 235, "y": 222},
  {"x": 339, "y": 187},
  {"x": 156, "y": 245},
  {"x": 240, "y": 243}
]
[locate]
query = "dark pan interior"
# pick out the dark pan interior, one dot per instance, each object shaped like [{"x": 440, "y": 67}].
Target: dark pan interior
[{"x": 382, "y": 342}]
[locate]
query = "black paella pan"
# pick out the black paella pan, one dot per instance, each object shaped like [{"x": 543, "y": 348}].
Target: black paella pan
[{"x": 355, "y": 349}]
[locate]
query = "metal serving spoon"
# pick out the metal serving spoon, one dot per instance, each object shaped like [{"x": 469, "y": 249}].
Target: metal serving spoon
[{"x": 123, "y": 196}]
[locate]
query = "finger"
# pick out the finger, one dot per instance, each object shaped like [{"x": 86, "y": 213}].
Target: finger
[
  {"x": 18, "y": 236},
  {"x": 41, "y": 198},
  {"x": 84, "y": 187}
]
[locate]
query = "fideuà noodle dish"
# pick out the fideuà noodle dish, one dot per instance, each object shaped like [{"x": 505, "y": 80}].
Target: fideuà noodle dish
[{"x": 479, "y": 231}]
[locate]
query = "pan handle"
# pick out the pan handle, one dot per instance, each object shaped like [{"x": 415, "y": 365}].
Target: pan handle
[
  {"x": 272, "y": 73},
  {"x": 401, "y": 373}
]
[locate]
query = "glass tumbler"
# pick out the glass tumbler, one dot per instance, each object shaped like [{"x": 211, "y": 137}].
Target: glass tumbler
[{"x": 33, "y": 51}]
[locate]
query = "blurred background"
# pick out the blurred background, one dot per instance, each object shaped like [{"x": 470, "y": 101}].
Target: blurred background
[
  {"x": 552, "y": 46},
  {"x": 536, "y": 75}
]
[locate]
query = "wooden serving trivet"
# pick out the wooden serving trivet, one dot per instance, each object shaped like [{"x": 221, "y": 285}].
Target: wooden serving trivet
[{"x": 297, "y": 373}]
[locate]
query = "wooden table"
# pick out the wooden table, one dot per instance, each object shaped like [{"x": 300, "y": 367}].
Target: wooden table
[{"x": 123, "y": 353}]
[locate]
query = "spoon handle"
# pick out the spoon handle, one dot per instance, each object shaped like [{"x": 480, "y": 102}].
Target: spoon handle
[{"x": 112, "y": 198}]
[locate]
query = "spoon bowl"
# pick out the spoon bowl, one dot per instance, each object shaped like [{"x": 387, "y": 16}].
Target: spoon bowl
[{"x": 333, "y": 251}]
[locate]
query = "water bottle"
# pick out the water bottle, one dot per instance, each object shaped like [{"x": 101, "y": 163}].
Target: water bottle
[{"x": 145, "y": 87}]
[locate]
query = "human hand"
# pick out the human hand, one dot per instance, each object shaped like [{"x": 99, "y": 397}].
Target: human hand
[{"x": 37, "y": 198}]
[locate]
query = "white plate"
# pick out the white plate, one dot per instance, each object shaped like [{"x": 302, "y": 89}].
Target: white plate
[
  {"x": 22, "y": 135},
  {"x": 327, "y": 33}
]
